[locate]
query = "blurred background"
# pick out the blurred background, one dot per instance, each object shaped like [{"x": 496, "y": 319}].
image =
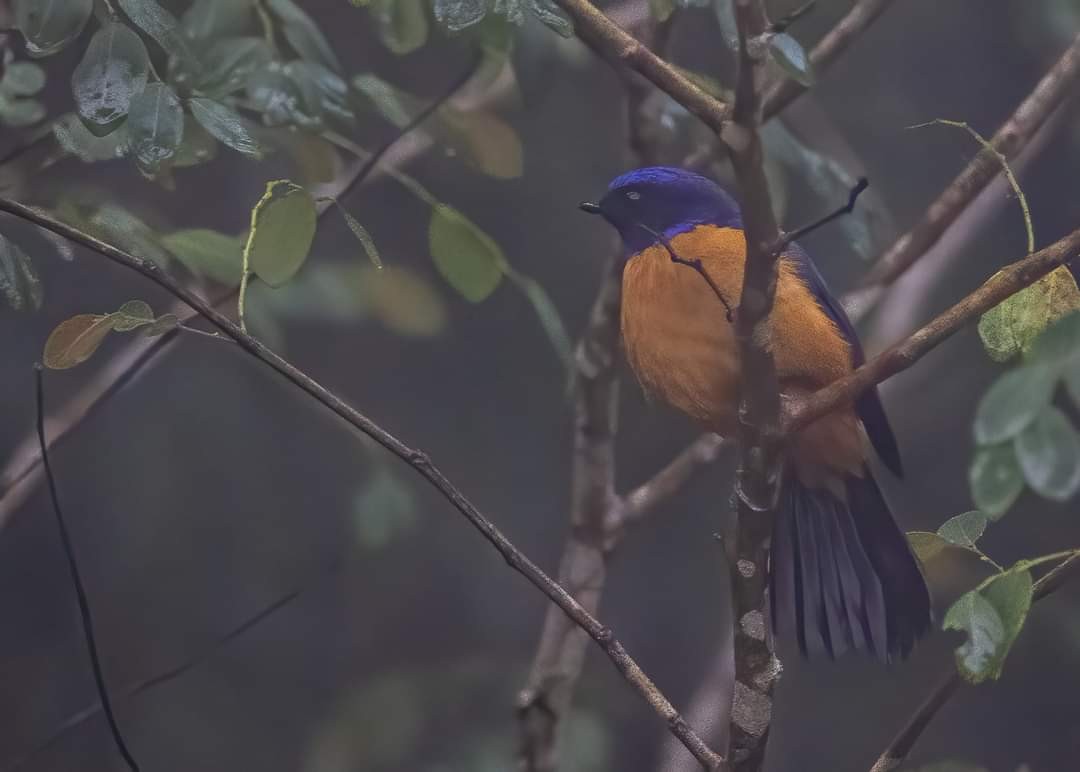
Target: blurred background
[{"x": 208, "y": 487}]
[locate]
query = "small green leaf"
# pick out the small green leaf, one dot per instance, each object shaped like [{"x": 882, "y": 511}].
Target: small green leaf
[
  {"x": 163, "y": 324},
  {"x": 995, "y": 478},
  {"x": 73, "y": 136},
  {"x": 283, "y": 100},
  {"x": 113, "y": 70},
  {"x": 992, "y": 619},
  {"x": 209, "y": 253},
  {"x": 225, "y": 124},
  {"x": 155, "y": 126},
  {"x": 23, "y": 79},
  {"x": 162, "y": 26},
  {"x": 394, "y": 104},
  {"x": 551, "y": 16},
  {"x": 1059, "y": 345},
  {"x": 116, "y": 225},
  {"x": 662, "y": 9},
  {"x": 926, "y": 545},
  {"x": 207, "y": 19},
  {"x": 20, "y": 113},
  {"x": 791, "y": 56},
  {"x": 964, "y": 530},
  {"x": 19, "y": 282},
  {"x": 75, "y": 340},
  {"x": 402, "y": 24},
  {"x": 1012, "y": 402},
  {"x": 282, "y": 229},
  {"x": 304, "y": 35},
  {"x": 132, "y": 315},
  {"x": 1011, "y": 327},
  {"x": 1049, "y": 454},
  {"x": 49, "y": 25},
  {"x": 362, "y": 236},
  {"x": 466, "y": 257}
]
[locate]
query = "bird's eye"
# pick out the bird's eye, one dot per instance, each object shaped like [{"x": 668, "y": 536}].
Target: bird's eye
[{"x": 633, "y": 195}]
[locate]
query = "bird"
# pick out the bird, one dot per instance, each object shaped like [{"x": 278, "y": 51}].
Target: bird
[{"x": 842, "y": 577}]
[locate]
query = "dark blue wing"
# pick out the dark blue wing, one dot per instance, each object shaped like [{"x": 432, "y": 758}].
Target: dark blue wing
[{"x": 868, "y": 406}]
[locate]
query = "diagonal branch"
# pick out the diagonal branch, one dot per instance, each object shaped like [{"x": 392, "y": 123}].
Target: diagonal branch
[
  {"x": 1010, "y": 138},
  {"x": 1008, "y": 281},
  {"x": 862, "y": 14},
  {"x": 893, "y": 756},
  {"x": 416, "y": 459}
]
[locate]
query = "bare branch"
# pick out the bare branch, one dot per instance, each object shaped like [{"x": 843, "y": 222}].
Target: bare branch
[
  {"x": 1010, "y": 138},
  {"x": 1006, "y": 282},
  {"x": 862, "y": 14},
  {"x": 416, "y": 459},
  {"x": 644, "y": 499},
  {"x": 893, "y": 756},
  {"x": 756, "y": 667}
]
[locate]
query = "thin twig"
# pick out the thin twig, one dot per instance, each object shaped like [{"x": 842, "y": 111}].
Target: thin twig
[
  {"x": 644, "y": 499},
  {"x": 1013, "y": 135},
  {"x": 416, "y": 459},
  {"x": 80, "y": 591},
  {"x": 897, "y": 751},
  {"x": 862, "y": 14},
  {"x": 847, "y": 208}
]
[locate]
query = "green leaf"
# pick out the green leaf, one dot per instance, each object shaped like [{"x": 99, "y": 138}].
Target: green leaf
[
  {"x": 964, "y": 530},
  {"x": 1049, "y": 454},
  {"x": 394, "y": 104},
  {"x": 926, "y": 545},
  {"x": 207, "y": 19},
  {"x": 304, "y": 35},
  {"x": 1059, "y": 345},
  {"x": 325, "y": 90},
  {"x": 208, "y": 253},
  {"x": 155, "y": 126},
  {"x": 163, "y": 27},
  {"x": 362, "y": 236},
  {"x": 402, "y": 24},
  {"x": 282, "y": 99},
  {"x": 1012, "y": 402},
  {"x": 995, "y": 478},
  {"x": 1010, "y": 327},
  {"x": 49, "y": 25},
  {"x": 466, "y": 257},
  {"x": 229, "y": 63},
  {"x": 132, "y": 315},
  {"x": 19, "y": 282},
  {"x": 992, "y": 618},
  {"x": 112, "y": 71},
  {"x": 23, "y": 79},
  {"x": 116, "y": 225},
  {"x": 224, "y": 124},
  {"x": 163, "y": 324},
  {"x": 662, "y": 9},
  {"x": 282, "y": 229},
  {"x": 791, "y": 56},
  {"x": 75, "y": 340},
  {"x": 73, "y": 136}
]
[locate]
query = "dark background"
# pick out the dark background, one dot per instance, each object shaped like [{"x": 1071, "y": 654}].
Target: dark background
[{"x": 210, "y": 487}]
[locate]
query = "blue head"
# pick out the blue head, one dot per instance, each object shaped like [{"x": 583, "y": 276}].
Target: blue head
[{"x": 663, "y": 200}]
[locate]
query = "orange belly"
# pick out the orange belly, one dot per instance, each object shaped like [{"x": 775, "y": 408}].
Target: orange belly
[{"x": 682, "y": 348}]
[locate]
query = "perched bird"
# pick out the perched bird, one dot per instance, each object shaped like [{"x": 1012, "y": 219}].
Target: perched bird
[{"x": 841, "y": 574}]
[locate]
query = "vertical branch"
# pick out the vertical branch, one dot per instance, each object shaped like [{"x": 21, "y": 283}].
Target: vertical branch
[
  {"x": 80, "y": 591},
  {"x": 756, "y": 668}
]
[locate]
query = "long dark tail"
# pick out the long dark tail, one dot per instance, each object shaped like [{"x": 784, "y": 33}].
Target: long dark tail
[{"x": 842, "y": 576}]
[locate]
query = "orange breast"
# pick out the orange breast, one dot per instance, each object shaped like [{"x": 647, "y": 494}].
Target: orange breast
[{"x": 681, "y": 346}]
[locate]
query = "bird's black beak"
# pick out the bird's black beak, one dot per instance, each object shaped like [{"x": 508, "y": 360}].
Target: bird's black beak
[{"x": 590, "y": 207}]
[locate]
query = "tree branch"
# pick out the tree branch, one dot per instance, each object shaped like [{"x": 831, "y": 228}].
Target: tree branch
[
  {"x": 1010, "y": 138},
  {"x": 893, "y": 756},
  {"x": 801, "y": 411},
  {"x": 757, "y": 669},
  {"x": 418, "y": 460},
  {"x": 862, "y": 14}
]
